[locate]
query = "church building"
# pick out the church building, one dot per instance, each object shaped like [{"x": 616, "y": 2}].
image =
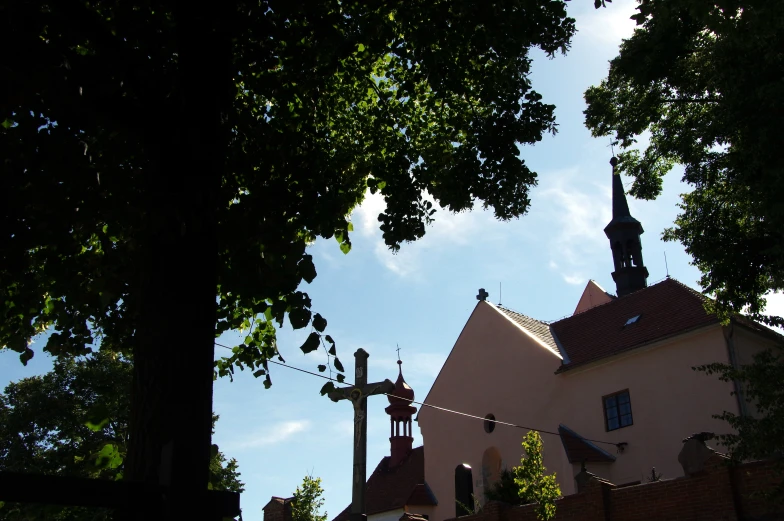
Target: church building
[{"x": 610, "y": 388}]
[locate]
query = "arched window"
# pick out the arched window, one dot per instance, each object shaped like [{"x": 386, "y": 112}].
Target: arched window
[
  {"x": 617, "y": 251},
  {"x": 464, "y": 490},
  {"x": 491, "y": 467},
  {"x": 630, "y": 253}
]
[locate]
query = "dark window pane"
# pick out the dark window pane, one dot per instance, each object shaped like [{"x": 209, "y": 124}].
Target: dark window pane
[
  {"x": 623, "y": 398},
  {"x": 626, "y": 419},
  {"x": 625, "y": 408},
  {"x": 612, "y": 424},
  {"x": 612, "y": 413},
  {"x": 609, "y": 402}
]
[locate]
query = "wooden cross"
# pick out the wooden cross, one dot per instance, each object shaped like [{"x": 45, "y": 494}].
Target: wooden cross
[
  {"x": 398, "y": 351},
  {"x": 358, "y": 396}
]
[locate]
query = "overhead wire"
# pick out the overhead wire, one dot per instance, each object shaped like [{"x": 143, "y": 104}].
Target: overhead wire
[{"x": 423, "y": 404}]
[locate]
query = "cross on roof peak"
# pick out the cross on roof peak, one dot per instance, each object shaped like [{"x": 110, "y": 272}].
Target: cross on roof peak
[{"x": 482, "y": 295}]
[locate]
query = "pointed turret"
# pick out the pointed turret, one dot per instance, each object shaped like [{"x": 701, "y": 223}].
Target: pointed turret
[
  {"x": 400, "y": 412},
  {"x": 624, "y": 233}
]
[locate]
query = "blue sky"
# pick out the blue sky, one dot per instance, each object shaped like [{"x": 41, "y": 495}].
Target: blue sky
[{"x": 421, "y": 297}]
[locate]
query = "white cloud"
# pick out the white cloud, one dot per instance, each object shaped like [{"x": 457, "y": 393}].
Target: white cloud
[
  {"x": 775, "y": 306},
  {"x": 608, "y": 25},
  {"x": 574, "y": 279},
  {"x": 343, "y": 428},
  {"x": 366, "y": 215},
  {"x": 448, "y": 229},
  {"x": 578, "y": 213},
  {"x": 271, "y": 435}
]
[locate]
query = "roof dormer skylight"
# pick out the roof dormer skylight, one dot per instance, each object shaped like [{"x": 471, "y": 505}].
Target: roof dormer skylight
[{"x": 632, "y": 320}]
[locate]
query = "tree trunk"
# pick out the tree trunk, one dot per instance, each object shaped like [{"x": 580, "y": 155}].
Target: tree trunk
[{"x": 173, "y": 354}]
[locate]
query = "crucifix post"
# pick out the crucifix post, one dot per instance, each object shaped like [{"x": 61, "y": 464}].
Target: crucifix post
[{"x": 357, "y": 395}]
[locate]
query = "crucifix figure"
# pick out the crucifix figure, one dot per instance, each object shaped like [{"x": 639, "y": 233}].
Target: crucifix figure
[{"x": 357, "y": 395}]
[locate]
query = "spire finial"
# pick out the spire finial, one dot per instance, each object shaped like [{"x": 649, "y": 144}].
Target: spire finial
[
  {"x": 624, "y": 233},
  {"x": 398, "y": 353},
  {"x": 620, "y": 208}
]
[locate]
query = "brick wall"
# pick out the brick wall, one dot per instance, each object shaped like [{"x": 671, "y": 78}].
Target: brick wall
[
  {"x": 753, "y": 480},
  {"x": 706, "y": 496},
  {"x": 278, "y": 509},
  {"x": 717, "y": 493}
]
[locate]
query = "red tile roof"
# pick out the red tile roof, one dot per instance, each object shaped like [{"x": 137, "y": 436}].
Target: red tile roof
[
  {"x": 421, "y": 495},
  {"x": 579, "y": 450},
  {"x": 665, "y": 309},
  {"x": 541, "y": 330},
  {"x": 394, "y": 488}
]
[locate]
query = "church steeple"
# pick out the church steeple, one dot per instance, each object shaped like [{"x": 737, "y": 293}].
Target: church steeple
[
  {"x": 624, "y": 233},
  {"x": 400, "y": 412}
]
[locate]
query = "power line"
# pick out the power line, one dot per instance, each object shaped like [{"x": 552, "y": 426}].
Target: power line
[{"x": 423, "y": 404}]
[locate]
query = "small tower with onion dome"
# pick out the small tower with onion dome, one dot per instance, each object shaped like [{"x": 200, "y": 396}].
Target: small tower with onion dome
[{"x": 400, "y": 413}]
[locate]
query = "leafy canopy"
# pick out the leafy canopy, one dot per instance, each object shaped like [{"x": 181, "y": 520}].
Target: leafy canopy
[
  {"x": 702, "y": 81},
  {"x": 528, "y": 482},
  {"x": 74, "y": 421},
  {"x": 758, "y": 432},
  {"x": 307, "y": 501},
  {"x": 420, "y": 102}
]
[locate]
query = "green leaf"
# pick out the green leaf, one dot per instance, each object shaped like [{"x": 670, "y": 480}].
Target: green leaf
[
  {"x": 109, "y": 457},
  {"x": 311, "y": 344},
  {"x": 319, "y": 322},
  {"x": 332, "y": 349},
  {"x": 361, "y": 47},
  {"x": 299, "y": 317},
  {"x": 328, "y": 388},
  {"x": 345, "y": 247},
  {"x": 341, "y": 378},
  {"x": 26, "y": 356},
  {"x": 267, "y": 382},
  {"x": 97, "y": 417},
  {"x": 338, "y": 365},
  {"x": 260, "y": 372},
  {"x": 350, "y": 227},
  {"x": 214, "y": 450},
  {"x": 322, "y": 368},
  {"x": 306, "y": 268},
  {"x": 7, "y": 123}
]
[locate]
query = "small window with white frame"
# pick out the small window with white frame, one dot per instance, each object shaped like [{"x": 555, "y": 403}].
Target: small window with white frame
[{"x": 617, "y": 410}]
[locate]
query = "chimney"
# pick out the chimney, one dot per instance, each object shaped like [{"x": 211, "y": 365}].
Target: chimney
[{"x": 278, "y": 509}]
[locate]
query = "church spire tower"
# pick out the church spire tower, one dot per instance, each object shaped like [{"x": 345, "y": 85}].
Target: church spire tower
[
  {"x": 624, "y": 233},
  {"x": 400, "y": 412}
]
